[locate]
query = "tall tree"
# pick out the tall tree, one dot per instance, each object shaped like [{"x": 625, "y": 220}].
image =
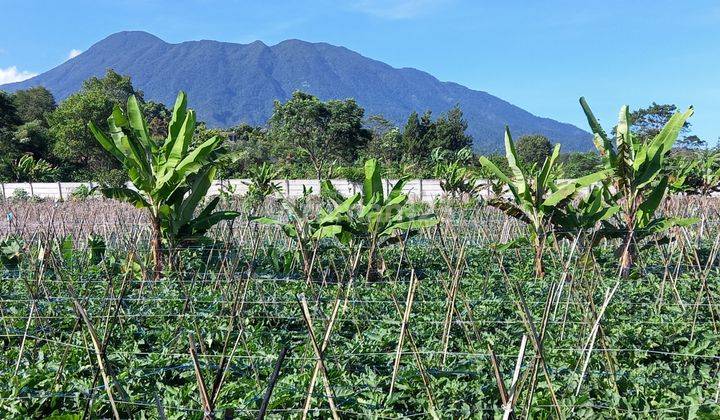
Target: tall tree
[
  {"x": 74, "y": 145},
  {"x": 9, "y": 117},
  {"x": 416, "y": 134},
  {"x": 9, "y": 120},
  {"x": 533, "y": 150},
  {"x": 646, "y": 123},
  {"x": 34, "y": 104},
  {"x": 385, "y": 143},
  {"x": 324, "y": 132},
  {"x": 345, "y": 129},
  {"x": 449, "y": 132}
]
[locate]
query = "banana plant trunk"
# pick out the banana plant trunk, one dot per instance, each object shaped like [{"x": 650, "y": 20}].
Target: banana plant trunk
[
  {"x": 371, "y": 272},
  {"x": 627, "y": 254},
  {"x": 628, "y": 249},
  {"x": 156, "y": 245}
]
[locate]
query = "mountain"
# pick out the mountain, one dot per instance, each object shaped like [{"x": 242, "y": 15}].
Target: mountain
[{"x": 232, "y": 83}]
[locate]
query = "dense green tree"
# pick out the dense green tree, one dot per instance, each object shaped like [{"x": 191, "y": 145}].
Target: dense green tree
[
  {"x": 577, "y": 164},
  {"x": 449, "y": 131},
  {"x": 34, "y": 104},
  {"x": 252, "y": 148},
  {"x": 9, "y": 120},
  {"x": 9, "y": 117},
  {"x": 345, "y": 129},
  {"x": 533, "y": 150},
  {"x": 416, "y": 132},
  {"x": 385, "y": 142},
  {"x": 323, "y": 132},
  {"x": 75, "y": 148},
  {"x": 158, "y": 116}
]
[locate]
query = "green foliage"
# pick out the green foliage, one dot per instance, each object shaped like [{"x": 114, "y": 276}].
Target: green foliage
[
  {"x": 381, "y": 219},
  {"x": 536, "y": 197},
  {"x": 171, "y": 179},
  {"x": 639, "y": 183},
  {"x": 421, "y": 135},
  {"x": 647, "y": 123},
  {"x": 74, "y": 146},
  {"x": 82, "y": 192},
  {"x": 456, "y": 178},
  {"x": 322, "y": 131},
  {"x": 34, "y": 104},
  {"x": 695, "y": 172},
  {"x": 9, "y": 117},
  {"x": 577, "y": 164},
  {"x": 385, "y": 143},
  {"x": 261, "y": 184},
  {"x": 28, "y": 169},
  {"x": 158, "y": 117},
  {"x": 96, "y": 248},
  {"x": 449, "y": 131},
  {"x": 30, "y": 138},
  {"x": 11, "y": 253},
  {"x": 533, "y": 150}
]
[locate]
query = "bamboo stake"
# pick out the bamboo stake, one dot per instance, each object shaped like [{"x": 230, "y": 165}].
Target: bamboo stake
[
  {"x": 403, "y": 328},
  {"x": 100, "y": 356},
  {"x": 512, "y": 397},
  {"x": 319, "y": 356}
]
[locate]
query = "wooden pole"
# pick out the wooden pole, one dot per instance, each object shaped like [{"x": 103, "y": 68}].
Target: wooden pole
[{"x": 271, "y": 383}]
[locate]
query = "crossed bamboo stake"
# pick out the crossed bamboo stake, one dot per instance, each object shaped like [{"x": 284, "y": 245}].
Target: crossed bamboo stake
[{"x": 319, "y": 355}]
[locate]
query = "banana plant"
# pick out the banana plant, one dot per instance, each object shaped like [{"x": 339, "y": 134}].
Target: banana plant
[
  {"x": 307, "y": 230},
  {"x": 381, "y": 220},
  {"x": 681, "y": 174},
  {"x": 699, "y": 175},
  {"x": 30, "y": 169},
  {"x": 585, "y": 214},
  {"x": 637, "y": 180},
  {"x": 456, "y": 179},
  {"x": 536, "y": 198},
  {"x": 170, "y": 177},
  {"x": 261, "y": 184}
]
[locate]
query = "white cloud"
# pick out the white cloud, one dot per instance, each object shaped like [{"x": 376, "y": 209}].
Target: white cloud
[
  {"x": 11, "y": 74},
  {"x": 74, "y": 53},
  {"x": 397, "y": 9}
]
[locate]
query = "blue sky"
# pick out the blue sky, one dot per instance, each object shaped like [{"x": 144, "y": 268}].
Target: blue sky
[{"x": 540, "y": 55}]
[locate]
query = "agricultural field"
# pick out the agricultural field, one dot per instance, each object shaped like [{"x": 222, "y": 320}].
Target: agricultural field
[
  {"x": 87, "y": 330},
  {"x": 538, "y": 297}
]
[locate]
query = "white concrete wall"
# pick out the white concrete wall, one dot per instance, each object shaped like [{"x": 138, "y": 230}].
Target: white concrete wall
[{"x": 418, "y": 189}]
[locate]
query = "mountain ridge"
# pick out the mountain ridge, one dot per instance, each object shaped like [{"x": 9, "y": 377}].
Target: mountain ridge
[{"x": 231, "y": 83}]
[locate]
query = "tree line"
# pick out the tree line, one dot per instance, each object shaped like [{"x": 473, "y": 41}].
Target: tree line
[{"x": 42, "y": 141}]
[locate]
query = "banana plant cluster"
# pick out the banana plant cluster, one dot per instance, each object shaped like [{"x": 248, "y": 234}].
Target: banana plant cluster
[
  {"x": 30, "y": 169},
  {"x": 537, "y": 198},
  {"x": 637, "y": 183},
  {"x": 171, "y": 178},
  {"x": 381, "y": 219},
  {"x": 370, "y": 219},
  {"x": 699, "y": 175},
  {"x": 456, "y": 179},
  {"x": 261, "y": 184},
  {"x": 308, "y": 230}
]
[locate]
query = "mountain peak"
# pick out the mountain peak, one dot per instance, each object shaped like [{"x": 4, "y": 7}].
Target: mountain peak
[
  {"x": 134, "y": 36},
  {"x": 230, "y": 83}
]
